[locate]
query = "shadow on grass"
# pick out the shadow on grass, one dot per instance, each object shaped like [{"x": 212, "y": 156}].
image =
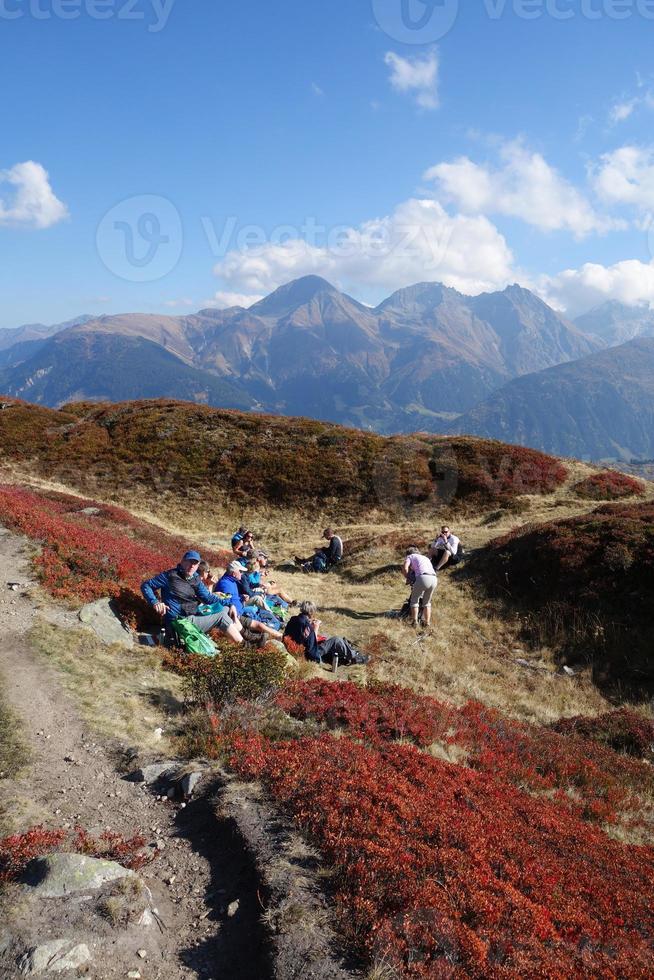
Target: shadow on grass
[{"x": 353, "y": 614}]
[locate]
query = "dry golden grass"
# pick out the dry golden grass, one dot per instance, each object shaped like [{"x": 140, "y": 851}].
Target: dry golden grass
[{"x": 123, "y": 694}]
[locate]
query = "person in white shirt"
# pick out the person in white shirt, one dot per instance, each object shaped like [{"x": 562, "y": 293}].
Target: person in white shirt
[
  {"x": 446, "y": 549},
  {"x": 419, "y": 573}
]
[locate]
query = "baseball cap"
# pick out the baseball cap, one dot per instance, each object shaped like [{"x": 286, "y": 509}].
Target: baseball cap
[{"x": 191, "y": 556}]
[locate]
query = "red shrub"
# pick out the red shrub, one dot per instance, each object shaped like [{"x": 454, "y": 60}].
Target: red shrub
[
  {"x": 609, "y": 485},
  {"x": 442, "y": 871},
  {"x": 622, "y": 730},
  {"x": 88, "y": 556},
  {"x": 486, "y": 472},
  {"x": 17, "y": 851},
  {"x": 588, "y": 582},
  {"x": 600, "y": 781}
]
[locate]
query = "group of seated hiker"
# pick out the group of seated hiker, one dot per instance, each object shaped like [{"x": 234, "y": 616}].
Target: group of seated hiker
[
  {"x": 191, "y": 592},
  {"x": 247, "y": 607},
  {"x": 323, "y": 558}
]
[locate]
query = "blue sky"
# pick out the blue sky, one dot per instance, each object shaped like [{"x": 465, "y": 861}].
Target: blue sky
[{"x": 199, "y": 151}]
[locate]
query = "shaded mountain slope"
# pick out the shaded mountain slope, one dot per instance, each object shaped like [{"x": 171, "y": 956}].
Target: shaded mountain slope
[
  {"x": 99, "y": 366},
  {"x": 601, "y": 406}
]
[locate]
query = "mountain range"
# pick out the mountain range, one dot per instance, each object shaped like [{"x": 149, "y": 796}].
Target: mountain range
[{"x": 427, "y": 358}]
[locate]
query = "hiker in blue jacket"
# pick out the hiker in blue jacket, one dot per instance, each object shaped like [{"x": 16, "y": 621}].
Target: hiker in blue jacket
[
  {"x": 250, "y": 617},
  {"x": 182, "y": 592}
]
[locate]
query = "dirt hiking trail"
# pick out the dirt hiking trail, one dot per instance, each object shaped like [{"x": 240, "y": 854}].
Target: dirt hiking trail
[{"x": 202, "y": 868}]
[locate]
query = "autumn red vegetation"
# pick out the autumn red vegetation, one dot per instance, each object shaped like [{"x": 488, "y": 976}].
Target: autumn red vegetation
[
  {"x": 85, "y": 556},
  {"x": 623, "y": 730},
  {"x": 589, "y": 583},
  {"x": 586, "y": 778},
  {"x": 180, "y": 448},
  {"x": 441, "y": 870},
  {"x": 18, "y": 850},
  {"x": 609, "y": 485}
]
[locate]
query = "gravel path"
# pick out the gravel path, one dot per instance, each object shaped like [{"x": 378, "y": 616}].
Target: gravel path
[{"x": 72, "y": 781}]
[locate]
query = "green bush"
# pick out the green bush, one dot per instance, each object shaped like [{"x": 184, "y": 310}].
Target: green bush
[{"x": 242, "y": 674}]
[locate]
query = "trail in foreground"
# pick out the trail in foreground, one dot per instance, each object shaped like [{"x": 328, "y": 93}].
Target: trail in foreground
[{"x": 72, "y": 781}]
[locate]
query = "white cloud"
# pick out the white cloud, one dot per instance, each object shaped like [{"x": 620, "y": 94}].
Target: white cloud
[
  {"x": 626, "y": 176},
  {"x": 174, "y": 303},
  {"x": 223, "y": 300},
  {"x": 416, "y": 76},
  {"x": 30, "y": 202},
  {"x": 316, "y": 89},
  {"x": 622, "y": 110},
  {"x": 577, "y": 290},
  {"x": 523, "y": 186},
  {"x": 624, "y": 107},
  {"x": 418, "y": 241}
]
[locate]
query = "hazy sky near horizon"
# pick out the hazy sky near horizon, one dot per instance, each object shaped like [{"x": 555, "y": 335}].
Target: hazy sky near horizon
[{"x": 162, "y": 155}]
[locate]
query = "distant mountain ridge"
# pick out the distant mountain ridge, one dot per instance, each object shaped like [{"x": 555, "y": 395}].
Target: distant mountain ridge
[
  {"x": 424, "y": 354},
  {"x": 598, "y": 407},
  {"x": 427, "y": 358},
  {"x": 9, "y": 336},
  {"x": 615, "y": 323}
]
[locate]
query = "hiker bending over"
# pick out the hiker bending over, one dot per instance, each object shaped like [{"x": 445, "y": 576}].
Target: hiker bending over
[
  {"x": 421, "y": 576},
  {"x": 251, "y": 618},
  {"x": 324, "y": 558},
  {"x": 446, "y": 549},
  {"x": 303, "y": 630},
  {"x": 182, "y": 592}
]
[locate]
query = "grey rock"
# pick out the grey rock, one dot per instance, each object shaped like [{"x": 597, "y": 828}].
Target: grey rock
[
  {"x": 189, "y": 782},
  {"x": 59, "y": 875},
  {"x": 155, "y": 772},
  {"x": 91, "y": 511},
  {"x": 233, "y": 908},
  {"x": 51, "y": 958},
  {"x": 100, "y": 617}
]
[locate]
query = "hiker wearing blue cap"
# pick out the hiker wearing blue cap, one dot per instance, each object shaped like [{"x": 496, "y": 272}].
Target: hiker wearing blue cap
[{"x": 182, "y": 592}]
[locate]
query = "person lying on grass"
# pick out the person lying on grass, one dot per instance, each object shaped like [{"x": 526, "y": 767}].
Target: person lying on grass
[
  {"x": 303, "y": 630},
  {"x": 445, "y": 550},
  {"x": 251, "y": 617},
  {"x": 324, "y": 558},
  {"x": 182, "y": 592},
  {"x": 421, "y": 576}
]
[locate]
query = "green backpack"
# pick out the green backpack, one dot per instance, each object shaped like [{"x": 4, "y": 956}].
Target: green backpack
[{"x": 194, "y": 640}]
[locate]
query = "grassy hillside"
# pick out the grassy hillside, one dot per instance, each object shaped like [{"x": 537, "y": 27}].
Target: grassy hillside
[
  {"x": 588, "y": 585},
  {"x": 182, "y": 448}
]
